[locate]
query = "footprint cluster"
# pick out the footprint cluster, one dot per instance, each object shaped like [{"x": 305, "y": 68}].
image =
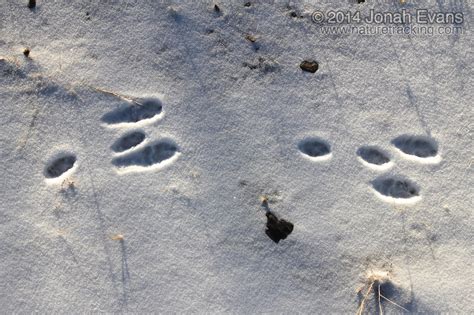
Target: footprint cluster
[
  {"x": 393, "y": 189},
  {"x": 132, "y": 150}
]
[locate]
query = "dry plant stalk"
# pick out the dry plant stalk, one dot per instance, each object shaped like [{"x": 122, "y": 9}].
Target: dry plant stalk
[
  {"x": 117, "y": 237},
  {"x": 120, "y": 96},
  {"x": 376, "y": 279}
]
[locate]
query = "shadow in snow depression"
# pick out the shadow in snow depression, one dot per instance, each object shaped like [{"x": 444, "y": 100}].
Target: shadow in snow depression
[
  {"x": 152, "y": 154},
  {"x": 373, "y": 155},
  {"x": 60, "y": 165},
  {"x": 396, "y": 187},
  {"x": 128, "y": 141},
  {"x": 134, "y": 112},
  {"x": 314, "y": 147},
  {"x": 420, "y": 146}
]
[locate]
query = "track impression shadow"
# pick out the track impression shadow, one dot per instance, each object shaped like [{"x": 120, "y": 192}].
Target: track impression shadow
[
  {"x": 155, "y": 155},
  {"x": 145, "y": 109}
]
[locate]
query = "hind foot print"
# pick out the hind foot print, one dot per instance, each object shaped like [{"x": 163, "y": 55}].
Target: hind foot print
[
  {"x": 152, "y": 157},
  {"x": 396, "y": 190},
  {"x": 277, "y": 229},
  {"x": 141, "y": 112},
  {"x": 374, "y": 158},
  {"x": 315, "y": 149},
  {"x": 417, "y": 148},
  {"x": 59, "y": 167}
]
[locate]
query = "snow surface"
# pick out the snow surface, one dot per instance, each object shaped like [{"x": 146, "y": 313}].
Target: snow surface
[{"x": 231, "y": 124}]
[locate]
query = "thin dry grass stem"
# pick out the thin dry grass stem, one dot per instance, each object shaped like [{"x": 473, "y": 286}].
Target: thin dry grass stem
[
  {"x": 390, "y": 301},
  {"x": 360, "y": 310},
  {"x": 373, "y": 278},
  {"x": 11, "y": 60},
  {"x": 380, "y": 304},
  {"x": 377, "y": 278},
  {"x": 120, "y": 96},
  {"x": 117, "y": 237}
]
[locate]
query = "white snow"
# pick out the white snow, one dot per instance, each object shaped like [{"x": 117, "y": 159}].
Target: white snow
[
  {"x": 194, "y": 231},
  {"x": 423, "y": 160}
]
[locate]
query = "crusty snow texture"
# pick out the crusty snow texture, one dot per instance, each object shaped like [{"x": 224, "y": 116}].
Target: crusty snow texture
[{"x": 219, "y": 121}]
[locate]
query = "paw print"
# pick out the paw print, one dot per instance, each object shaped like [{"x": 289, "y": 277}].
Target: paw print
[
  {"x": 375, "y": 158},
  {"x": 315, "y": 149},
  {"x": 392, "y": 189},
  {"x": 398, "y": 189},
  {"x": 133, "y": 151},
  {"x": 59, "y": 167}
]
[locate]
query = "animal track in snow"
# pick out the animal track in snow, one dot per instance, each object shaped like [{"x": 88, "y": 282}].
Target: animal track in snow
[
  {"x": 128, "y": 141},
  {"x": 58, "y": 167},
  {"x": 392, "y": 189},
  {"x": 396, "y": 190},
  {"x": 153, "y": 156},
  {"x": 315, "y": 149},
  {"x": 419, "y": 148},
  {"x": 146, "y": 110},
  {"x": 132, "y": 152},
  {"x": 374, "y": 157}
]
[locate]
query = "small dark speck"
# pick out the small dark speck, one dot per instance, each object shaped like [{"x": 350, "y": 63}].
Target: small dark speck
[
  {"x": 26, "y": 52},
  {"x": 247, "y": 4},
  {"x": 31, "y": 4},
  {"x": 251, "y": 38},
  {"x": 243, "y": 183},
  {"x": 309, "y": 66}
]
